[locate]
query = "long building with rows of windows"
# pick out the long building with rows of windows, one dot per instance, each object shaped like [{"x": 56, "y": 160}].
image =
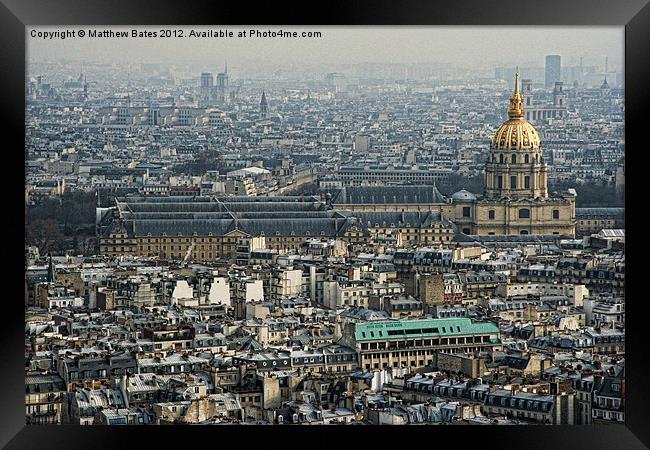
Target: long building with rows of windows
[
  {"x": 414, "y": 343},
  {"x": 211, "y": 228}
]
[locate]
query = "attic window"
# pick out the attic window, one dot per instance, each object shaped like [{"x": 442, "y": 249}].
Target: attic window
[
  {"x": 277, "y": 233},
  {"x": 322, "y": 233},
  {"x": 209, "y": 233},
  {"x": 307, "y": 233}
]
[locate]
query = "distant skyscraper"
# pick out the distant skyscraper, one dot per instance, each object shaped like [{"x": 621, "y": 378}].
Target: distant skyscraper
[{"x": 553, "y": 70}]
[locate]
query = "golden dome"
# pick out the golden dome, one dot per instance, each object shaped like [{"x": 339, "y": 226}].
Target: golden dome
[{"x": 516, "y": 132}]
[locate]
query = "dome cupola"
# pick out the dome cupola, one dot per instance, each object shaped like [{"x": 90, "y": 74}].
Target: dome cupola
[{"x": 516, "y": 133}]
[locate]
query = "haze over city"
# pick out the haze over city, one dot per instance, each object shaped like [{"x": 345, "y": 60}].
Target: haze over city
[{"x": 477, "y": 48}]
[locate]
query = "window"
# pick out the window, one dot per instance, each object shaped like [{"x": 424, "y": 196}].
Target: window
[
  {"x": 523, "y": 232},
  {"x": 466, "y": 211},
  {"x": 501, "y": 158},
  {"x": 513, "y": 159},
  {"x": 513, "y": 182},
  {"x": 556, "y": 214},
  {"x": 524, "y": 213},
  {"x": 526, "y": 159},
  {"x": 491, "y": 214},
  {"x": 526, "y": 182},
  {"x": 500, "y": 182}
]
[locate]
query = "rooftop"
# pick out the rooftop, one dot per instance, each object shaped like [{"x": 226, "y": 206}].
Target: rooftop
[{"x": 399, "y": 329}]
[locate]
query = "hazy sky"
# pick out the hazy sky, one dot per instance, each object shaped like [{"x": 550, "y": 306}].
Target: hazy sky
[{"x": 479, "y": 47}]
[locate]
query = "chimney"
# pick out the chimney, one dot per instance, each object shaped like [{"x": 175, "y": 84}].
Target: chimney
[{"x": 597, "y": 379}]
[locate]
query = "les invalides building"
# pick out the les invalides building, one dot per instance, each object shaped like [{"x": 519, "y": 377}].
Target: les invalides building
[
  {"x": 516, "y": 198},
  {"x": 515, "y": 202}
]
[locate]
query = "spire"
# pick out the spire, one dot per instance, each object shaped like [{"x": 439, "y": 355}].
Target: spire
[
  {"x": 264, "y": 106},
  {"x": 516, "y": 109},
  {"x": 50, "y": 270},
  {"x": 517, "y": 81}
]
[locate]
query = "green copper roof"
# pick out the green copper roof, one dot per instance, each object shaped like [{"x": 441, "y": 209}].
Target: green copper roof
[{"x": 419, "y": 328}]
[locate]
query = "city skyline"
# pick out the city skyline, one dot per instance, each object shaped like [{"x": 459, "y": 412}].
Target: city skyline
[
  {"x": 373, "y": 246},
  {"x": 460, "y": 47}
]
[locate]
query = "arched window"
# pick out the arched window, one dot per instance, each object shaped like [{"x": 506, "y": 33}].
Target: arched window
[
  {"x": 526, "y": 159},
  {"x": 513, "y": 159},
  {"x": 524, "y": 213}
]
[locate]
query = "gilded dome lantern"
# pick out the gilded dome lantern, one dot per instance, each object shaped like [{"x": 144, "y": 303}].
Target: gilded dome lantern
[{"x": 516, "y": 133}]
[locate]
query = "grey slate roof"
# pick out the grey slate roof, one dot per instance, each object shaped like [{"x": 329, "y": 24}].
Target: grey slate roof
[
  {"x": 389, "y": 195},
  {"x": 600, "y": 212}
]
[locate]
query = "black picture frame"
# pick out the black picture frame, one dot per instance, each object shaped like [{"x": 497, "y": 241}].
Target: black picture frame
[{"x": 634, "y": 15}]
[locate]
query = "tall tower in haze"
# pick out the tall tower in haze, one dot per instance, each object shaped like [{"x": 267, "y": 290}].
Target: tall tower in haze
[
  {"x": 264, "y": 107},
  {"x": 207, "y": 83},
  {"x": 552, "y": 70},
  {"x": 222, "y": 85}
]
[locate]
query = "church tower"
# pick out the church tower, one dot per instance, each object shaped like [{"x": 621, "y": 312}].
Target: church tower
[
  {"x": 264, "y": 107},
  {"x": 516, "y": 168}
]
